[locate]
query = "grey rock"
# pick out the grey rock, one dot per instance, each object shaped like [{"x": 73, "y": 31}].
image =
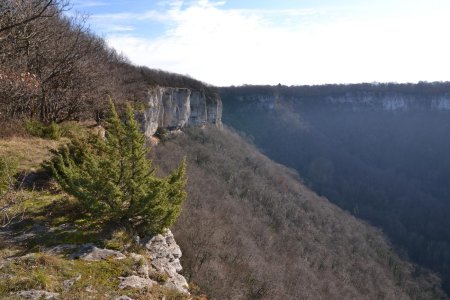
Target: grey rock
[
  {"x": 165, "y": 255},
  {"x": 177, "y": 282},
  {"x": 371, "y": 100},
  {"x": 143, "y": 267},
  {"x": 90, "y": 252},
  {"x": 123, "y": 297},
  {"x": 37, "y": 295},
  {"x": 135, "y": 282},
  {"x": 60, "y": 249},
  {"x": 137, "y": 257},
  {"x": 67, "y": 284},
  {"x": 90, "y": 289},
  {"x": 174, "y": 108}
]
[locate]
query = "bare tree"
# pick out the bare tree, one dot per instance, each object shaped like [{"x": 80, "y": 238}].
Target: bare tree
[{"x": 17, "y": 13}]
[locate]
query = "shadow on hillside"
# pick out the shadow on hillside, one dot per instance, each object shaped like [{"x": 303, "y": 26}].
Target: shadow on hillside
[
  {"x": 35, "y": 181},
  {"x": 61, "y": 222}
]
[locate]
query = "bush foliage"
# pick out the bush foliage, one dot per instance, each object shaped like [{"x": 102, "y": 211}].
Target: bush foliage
[
  {"x": 8, "y": 168},
  {"x": 112, "y": 177},
  {"x": 39, "y": 129},
  {"x": 11, "y": 199}
]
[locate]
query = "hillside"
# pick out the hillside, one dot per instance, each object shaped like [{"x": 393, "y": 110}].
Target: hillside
[
  {"x": 248, "y": 230},
  {"x": 251, "y": 230},
  {"x": 380, "y": 151}
]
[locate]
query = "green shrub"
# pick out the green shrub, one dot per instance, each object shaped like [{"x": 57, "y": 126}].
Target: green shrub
[
  {"x": 11, "y": 199},
  {"x": 160, "y": 277},
  {"x": 161, "y": 133},
  {"x": 38, "y": 129},
  {"x": 71, "y": 129},
  {"x": 113, "y": 178},
  {"x": 120, "y": 240},
  {"x": 8, "y": 168}
]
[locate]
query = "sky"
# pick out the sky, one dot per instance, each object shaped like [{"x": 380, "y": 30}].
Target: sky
[{"x": 290, "y": 42}]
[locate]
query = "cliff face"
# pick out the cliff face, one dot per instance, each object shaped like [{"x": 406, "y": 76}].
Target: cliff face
[
  {"x": 174, "y": 108},
  {"x": 393, "y": 101},
  {"x": 356, "y": 101}
]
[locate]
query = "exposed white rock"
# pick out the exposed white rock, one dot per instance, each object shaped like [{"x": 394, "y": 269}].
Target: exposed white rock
[
  {"x": 90, "y": 289},
  {"x": 441, "y": 103},
  {"x": 162, "y": 257},
  {"x": 152, "y": 112},
  {"x": 143, "y": 268},
  {"x": 90, "y": 252},
  {"x": 394, "y": 104},
  {"x": 199, "y": 111},
  {"x": 165, "y": 256},
  {"x": 177, "y": 282},
  {"x": 175, "y": 108},
  {"x": 37, "y": 295},
  {"x": 123, "y": 297},
  {"x": 67, "y": 284},
  {"x": 135, "y": 282}
]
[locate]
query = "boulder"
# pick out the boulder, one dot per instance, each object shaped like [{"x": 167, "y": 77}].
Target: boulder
[
  {"x": 37, "y": 295},
  {"x": 135, "y": 282},
  {"x": 90, "y": 252},
  {"x": 67, "y": 284}
]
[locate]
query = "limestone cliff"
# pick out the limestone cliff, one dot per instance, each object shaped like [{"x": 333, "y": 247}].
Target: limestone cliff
[
  {"x": 174, "y": 108},
  {"x": 393, "y": 101},
  {"x": 355, "y": 101}
]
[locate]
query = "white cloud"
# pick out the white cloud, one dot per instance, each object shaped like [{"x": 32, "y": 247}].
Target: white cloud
[{"x": 225, "y": 47}]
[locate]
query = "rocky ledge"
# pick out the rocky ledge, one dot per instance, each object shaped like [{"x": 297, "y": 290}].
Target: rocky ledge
[{"x": 159, "y": 264}]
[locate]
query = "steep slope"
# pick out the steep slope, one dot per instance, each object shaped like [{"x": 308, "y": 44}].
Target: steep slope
[
  {"x": 251, "y": 230},
  {"x": 378, "y": 151}
]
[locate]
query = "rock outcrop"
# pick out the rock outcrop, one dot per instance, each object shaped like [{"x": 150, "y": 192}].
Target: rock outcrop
[
  {"x": 174, "y": 108},
  {"x": 159, "y": 264},
  {"x": 92, "y": 253},
  {"x": 135, "y": 282},
  {"x": 165, "y": 256},
  {"x": 37, "y": 295},
  {"x": 162, "y": 261}
]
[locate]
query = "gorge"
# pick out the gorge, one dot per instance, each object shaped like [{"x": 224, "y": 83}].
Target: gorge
[{"x": 380, "y": 151}]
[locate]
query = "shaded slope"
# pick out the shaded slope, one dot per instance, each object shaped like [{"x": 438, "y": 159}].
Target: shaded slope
[
  {"x": 385, "y": 164},
  {"x": 251, "y": 230}
]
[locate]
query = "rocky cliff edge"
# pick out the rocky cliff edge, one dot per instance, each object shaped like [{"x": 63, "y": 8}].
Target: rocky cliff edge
[{"x": 175, "y": 108}]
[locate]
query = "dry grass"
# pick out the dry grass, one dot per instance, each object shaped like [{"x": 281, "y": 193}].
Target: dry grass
[{"x": 30, "y": 152}]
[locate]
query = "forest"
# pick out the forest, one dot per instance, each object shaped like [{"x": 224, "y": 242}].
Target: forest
[{"x": 390, "y": 168}]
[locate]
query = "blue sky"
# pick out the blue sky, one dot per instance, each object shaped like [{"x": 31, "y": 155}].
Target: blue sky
[{"x": 285, "y": 41}]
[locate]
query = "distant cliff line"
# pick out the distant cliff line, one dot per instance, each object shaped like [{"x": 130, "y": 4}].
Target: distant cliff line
[{"x": 387, "y": 97}]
